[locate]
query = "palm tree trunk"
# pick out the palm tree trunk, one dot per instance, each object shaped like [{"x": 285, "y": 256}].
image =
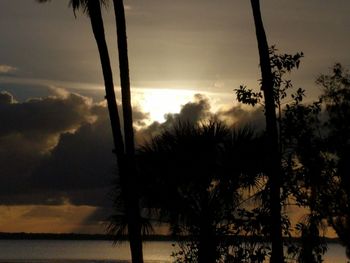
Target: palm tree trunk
[
  {"x": 98, "y": 30},
  {"x": 274, "y": 158},
  {"x": 130, "y": 189},
  {"x": 125, "y": 157},
  {"x": 122, "y": 160}
]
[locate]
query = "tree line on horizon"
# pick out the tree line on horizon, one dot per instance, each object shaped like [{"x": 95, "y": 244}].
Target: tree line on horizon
[{"x": 212, "y": 181}]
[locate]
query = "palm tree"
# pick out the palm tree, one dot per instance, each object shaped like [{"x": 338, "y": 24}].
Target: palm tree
[
  {"x": 189, "y": 177},
  {"x": 133, "y": 212},
  {"x": 124, "y": 160},
  {"x": 124, "y": 75},
  {"x": 274, "y": 158}
]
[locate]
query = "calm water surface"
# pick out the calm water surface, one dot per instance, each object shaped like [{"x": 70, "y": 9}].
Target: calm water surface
[
  {"x": 54, "y": 251},
  {"x": 76, "y": 251}
]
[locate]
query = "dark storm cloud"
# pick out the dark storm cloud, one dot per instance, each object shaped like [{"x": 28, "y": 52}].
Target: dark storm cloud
[
  {"x": 60, "y": 148},
  {"x": 241, "y": 116},
  {"x": 35, "y": 117},
  {"x": 6, "y": 98},
  {"x": 29, "y": 130},
  {"x": 82, "y": 165},
  {"x": 191, "y": 112},
  {"x": 194, "y": 111},
  {"x": 56, "y": 148}
]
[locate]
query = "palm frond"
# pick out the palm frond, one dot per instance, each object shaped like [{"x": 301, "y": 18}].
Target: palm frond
[
  {"x": 84, "y": 5},
  {"x": 118, "y": 227}
]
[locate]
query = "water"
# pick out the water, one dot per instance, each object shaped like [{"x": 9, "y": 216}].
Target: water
[
  {"x": 70, "y": 251},
  {"x": 57, "y": 251},
  {"x": 335, "y": 254}
]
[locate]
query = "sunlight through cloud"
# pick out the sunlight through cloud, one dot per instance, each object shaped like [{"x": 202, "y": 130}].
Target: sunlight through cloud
[{"x": 158, "y": 102}]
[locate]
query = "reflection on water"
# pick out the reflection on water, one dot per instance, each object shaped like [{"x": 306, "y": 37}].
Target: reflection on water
[
  {"x": 68, "y": 251},
  {"x": 58, "y": 251}
]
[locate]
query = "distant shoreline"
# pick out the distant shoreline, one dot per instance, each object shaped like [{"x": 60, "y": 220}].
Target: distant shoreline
[
  {"x": 73, "y": 236},
  {"x": 102, "y": 237}
]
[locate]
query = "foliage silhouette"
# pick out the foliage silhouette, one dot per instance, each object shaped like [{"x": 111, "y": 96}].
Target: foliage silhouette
[
  {"x": 297, "y": 125},
  {"x": 304, "y": 163},
  {"x": 317, "y": 139},
  {"x": 196, "y": 176},
  {"x": 336, "y": 100}
]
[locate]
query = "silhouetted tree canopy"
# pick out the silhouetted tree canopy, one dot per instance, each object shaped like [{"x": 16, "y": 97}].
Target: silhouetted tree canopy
[{"x": 194, "y": 176}]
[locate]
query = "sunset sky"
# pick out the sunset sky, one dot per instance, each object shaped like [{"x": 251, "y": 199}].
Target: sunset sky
[{"x": 55, "y": 144}]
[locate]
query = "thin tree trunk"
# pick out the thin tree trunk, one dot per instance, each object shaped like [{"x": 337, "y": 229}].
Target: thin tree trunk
[
  {"x": 122, "y": 161},
  {"x": 130, "y": 183},
  {"x": 206, "y": 242},
  {"x": 98, "y": 30},
  {"x": 274, "y": 158}
]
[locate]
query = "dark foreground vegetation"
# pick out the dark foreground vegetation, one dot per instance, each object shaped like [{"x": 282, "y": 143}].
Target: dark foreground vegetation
[{"x": 209, "y": 181}]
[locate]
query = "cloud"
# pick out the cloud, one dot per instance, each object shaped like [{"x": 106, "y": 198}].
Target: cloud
[
  {"x": 195, "y": 111},
  {"x": 200, "y": 110},
  {"x": 6, "y": 98},
  {"x": 39, "y": 122},
  {"x": 7, "y": 70},
  {"x": 25, "y": 91},
  {"x": 241, "y": 116},
  {"x": 59, "y": 147},
  {"x": 81, "y": 166},
  {"x": 29, "y": 131},
  {"x": 192, "y": 112}
]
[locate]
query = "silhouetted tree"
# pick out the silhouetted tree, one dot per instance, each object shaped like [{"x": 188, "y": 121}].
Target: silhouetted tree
[
  {"x": 192, "y": 176},
  {"x": 280, "y": 64},
  {"x": 336, "y": 98},
  {"x": 305, "y": 177},
  {"x": 273, "y": 158},
  {"x": 133, "y": 209},
  {"x": 318, "y": 138},
  {"x": 125, "y": 157}
]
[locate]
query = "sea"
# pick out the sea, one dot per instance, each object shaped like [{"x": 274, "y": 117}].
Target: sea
[{"x": 95, "y": 251}]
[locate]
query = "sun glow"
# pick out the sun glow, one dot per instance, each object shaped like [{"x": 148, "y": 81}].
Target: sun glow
[{"x": 158, "y": 102}]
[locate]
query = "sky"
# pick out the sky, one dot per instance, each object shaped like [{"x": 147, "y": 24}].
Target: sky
[{"x": 186, "y": 58}]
